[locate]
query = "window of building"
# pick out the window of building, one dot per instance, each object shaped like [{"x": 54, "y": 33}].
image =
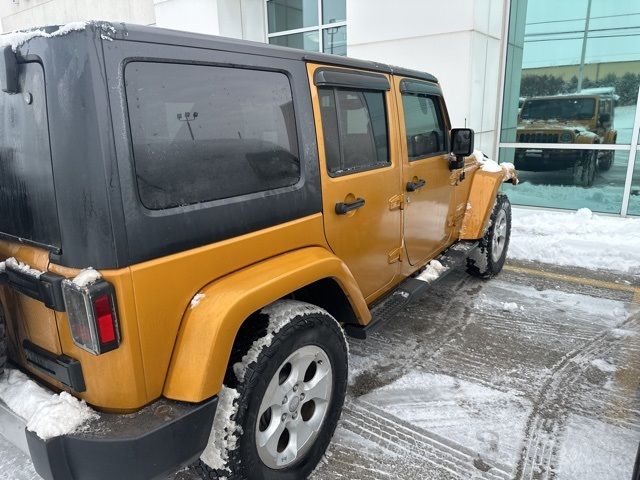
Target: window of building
[
  {"x": 423, "y": 125},
  {"x": 354, "y": 125},
  {"x": 203, "y": 133},
  {"x": 316, "y": 25},
  {"x": 572, "y": 76}
]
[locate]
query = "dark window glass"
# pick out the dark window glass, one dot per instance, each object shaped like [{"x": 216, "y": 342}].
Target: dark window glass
[
  {"x": 424, "y": 126},
  {"x": 334, "y": 11},
  {"x": 354, "y": 124},
  {"x": 291, "y": 14},
  {"x": 303, "y": 41},
  {"x": 559, "y": 109},
  {"x": 204, "y": 133}
]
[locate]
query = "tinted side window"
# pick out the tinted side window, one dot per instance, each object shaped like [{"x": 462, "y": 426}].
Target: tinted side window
[
  {"x": 424, "y": 126},
  {"x": 204, "y": 133},
  {"x": 354, "y": 124}
]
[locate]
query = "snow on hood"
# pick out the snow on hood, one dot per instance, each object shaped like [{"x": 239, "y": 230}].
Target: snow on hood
[{"x": 46, "y": 414}]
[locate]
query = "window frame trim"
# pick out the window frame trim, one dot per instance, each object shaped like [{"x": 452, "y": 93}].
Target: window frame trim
[{"x": 216, "y": 201}]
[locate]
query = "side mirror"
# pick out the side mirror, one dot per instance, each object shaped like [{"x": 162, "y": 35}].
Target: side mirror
[
  {"x": 461, "y": 146},
  {"x": 8, "y": 70}
]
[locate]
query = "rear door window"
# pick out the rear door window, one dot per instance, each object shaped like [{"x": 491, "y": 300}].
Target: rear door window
[
  {"x": 354, "y": 125},
  {"x": 203, "y": 133}
]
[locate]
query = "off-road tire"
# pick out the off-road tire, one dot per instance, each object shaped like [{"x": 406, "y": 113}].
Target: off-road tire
[
  {"x": 606, "y": 161},
  {"x": 315, "y": 327},
  {"x": 482, "y": 262},
  {"x": 3, "y": 341},
  {"x": 584, "y": 171}
]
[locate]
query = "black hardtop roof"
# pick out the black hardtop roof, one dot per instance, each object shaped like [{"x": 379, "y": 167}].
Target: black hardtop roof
[{"x": 141, "y": 33}]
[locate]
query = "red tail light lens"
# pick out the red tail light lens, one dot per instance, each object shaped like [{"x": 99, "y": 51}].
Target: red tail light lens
[{"x": 93, "y": 320}]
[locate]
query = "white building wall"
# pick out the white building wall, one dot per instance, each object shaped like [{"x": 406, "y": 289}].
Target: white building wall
[
  {"x": 30, "y": 13},
  {"x": 199, "y": 16},
  {"x": 459, "y": 41}
]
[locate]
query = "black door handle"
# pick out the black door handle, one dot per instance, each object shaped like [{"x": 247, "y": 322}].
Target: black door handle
[
  {"x": 345, "y": 207},
  {"x": 417, "y": 185}
]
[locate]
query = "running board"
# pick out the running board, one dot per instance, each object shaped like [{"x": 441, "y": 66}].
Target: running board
[{"x": 411, "y": 290}]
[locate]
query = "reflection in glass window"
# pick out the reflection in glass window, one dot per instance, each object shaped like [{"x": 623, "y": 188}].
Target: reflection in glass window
[
  {"x": 304, "y": 41},
  {"x": 204, "y": 133},
  {"x": 334, "y": 11},
  {"x": 574, "y": 47},
  {"x": 335, "y": 40},
  {"x": 291, "y": 14},
  {"x": 583, "y": 108},
  {"x": 354, "y": 126},
  {"x": 423, "y": 125},
  {"x": 569, "y": 179}
]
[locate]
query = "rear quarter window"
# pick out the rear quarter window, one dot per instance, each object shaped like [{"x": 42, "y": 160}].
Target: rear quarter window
[{"x": 203, "y": 133}]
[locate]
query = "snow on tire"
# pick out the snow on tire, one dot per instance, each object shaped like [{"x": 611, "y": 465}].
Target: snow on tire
[
  {"x": 283, "y": 397},
  {"x": 488, "y": 258}
]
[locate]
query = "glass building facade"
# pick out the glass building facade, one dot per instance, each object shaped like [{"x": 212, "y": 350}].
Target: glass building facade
[
  {"x": 570, "y": 104},
  {"x": 315, "y": 25}
]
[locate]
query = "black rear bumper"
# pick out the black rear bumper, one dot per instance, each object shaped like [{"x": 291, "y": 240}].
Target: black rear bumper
[{"x": 152, "y": 443}]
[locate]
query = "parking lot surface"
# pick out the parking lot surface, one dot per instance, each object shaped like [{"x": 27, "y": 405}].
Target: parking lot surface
[{"x": 531, "y": 375}]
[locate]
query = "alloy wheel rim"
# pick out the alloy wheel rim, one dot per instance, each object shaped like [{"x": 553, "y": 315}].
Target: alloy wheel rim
[
  {"x": 499, "y": 236},
  {"x": 294, "y": 407}
]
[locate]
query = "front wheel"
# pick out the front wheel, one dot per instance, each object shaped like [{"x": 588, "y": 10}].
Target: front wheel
[
  {"x": 290, "y": 389},
  {"x": 488, "y": 258}
]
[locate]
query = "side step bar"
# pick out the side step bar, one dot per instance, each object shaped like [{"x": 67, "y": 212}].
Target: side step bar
[{"x": 410, "y": 290}]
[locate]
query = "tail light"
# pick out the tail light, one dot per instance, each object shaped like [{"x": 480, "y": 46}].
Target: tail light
[{"x": 92, "y": 315}]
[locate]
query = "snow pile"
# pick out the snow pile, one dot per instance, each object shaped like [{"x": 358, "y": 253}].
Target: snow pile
[
  {"x": 18, "y": 38},
  {"x": 47, "y": 415},
  {"x": 195, "y": 301},
  {"x": 603, "y": 365},
  {"x": 509, "y": 306},
  {"x": 225, "y": 432},
  {"x": 432, "y": 271},
  {"x": 280, "y": 314},
  {"x": 86, "y": 277},
  {"x": 578, "y": 239},
  {"x": 22, "y": 267}
]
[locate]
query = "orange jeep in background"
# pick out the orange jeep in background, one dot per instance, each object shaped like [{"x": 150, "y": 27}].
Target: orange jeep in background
[{"x": 190, "y": 223}]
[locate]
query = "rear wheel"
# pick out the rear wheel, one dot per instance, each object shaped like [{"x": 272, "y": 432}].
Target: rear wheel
[
  {"x": 606, "y": 161},
  {"x": 289, "y": 398},
  {"x": 488, "y": 258}
]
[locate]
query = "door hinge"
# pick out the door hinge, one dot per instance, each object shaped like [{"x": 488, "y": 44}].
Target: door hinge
[
  {"x": 396, "y": 202},
  {"x": 395, "y": 255}
]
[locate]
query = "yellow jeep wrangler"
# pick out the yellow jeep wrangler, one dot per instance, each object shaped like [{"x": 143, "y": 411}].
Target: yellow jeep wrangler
[
  {"x": 584, "y": 118},
  {"x": 190, "y": 223}
]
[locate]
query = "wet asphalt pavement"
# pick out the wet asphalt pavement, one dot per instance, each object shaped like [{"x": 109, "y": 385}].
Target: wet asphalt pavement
[{"x": 531, "y": 375}]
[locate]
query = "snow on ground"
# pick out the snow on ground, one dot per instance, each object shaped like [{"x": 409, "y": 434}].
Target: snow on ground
[
  {"x": 46, "y": 414},
  {"x": 579, "y": 239},
  {"x": 609, "y": 449}
]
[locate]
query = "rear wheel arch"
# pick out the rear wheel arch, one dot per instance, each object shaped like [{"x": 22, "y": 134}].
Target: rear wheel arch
[{"x": 228, "y": 308}]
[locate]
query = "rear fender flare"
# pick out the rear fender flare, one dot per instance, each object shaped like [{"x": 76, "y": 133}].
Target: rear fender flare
[{"x": 209, "y": 326}]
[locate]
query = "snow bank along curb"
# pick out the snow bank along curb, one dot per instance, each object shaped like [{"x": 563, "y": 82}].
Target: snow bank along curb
[
  {"x": 46, "y": 414},
  {"x": 225, "y": 432},
  {"x": 578, "y": 239}
]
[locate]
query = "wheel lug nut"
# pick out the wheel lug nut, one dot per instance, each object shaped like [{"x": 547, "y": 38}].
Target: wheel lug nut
[
  {"x": 294, "y": 416},
  {"x": 319, "y": 362},
  {"x": 284, "y": 400},
  {"x": 302, "y": 396},
  {"x": 295, "y": 388},
  {"x": 284, "y": 417}
]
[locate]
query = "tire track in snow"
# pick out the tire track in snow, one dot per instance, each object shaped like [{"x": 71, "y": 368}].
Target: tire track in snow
[
  {"x": 539, "y": 455},
  {"x": 416, "y": 445}
]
